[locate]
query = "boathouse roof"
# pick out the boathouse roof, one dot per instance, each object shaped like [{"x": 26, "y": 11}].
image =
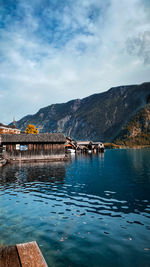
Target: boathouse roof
[
  {"x": 33, "y": 138},
  {"x": 83, "y": 142}
]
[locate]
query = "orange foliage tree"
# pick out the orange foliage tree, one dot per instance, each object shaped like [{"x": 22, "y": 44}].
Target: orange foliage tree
[{"x": 31, "y": 129}]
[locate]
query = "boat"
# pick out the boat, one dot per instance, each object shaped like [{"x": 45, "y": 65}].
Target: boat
[{"x": 71, "y": 150}]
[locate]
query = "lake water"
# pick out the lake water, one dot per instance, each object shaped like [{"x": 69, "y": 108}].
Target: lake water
[{"x": 92, "y": 211}]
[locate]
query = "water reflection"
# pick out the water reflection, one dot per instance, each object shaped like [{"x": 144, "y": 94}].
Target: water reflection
[
  {"x": 26, "y": 172},
  {"x": 139, "y": 162}
]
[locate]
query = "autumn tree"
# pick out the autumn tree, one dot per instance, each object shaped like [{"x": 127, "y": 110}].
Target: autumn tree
[{"x": 31, "y": 129}]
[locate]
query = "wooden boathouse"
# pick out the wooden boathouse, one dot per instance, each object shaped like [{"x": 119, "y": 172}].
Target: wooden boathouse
[
  {"x": 33, "y": 147},
  {"x": 84, "y": 146}
]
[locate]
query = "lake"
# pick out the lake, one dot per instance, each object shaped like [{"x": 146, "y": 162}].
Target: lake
[{"x": 91, "y": 211}]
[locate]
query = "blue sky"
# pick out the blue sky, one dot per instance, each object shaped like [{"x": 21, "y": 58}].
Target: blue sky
[{"x": 53, "y": 51}]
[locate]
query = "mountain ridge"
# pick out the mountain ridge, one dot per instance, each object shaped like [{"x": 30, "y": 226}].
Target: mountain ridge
[{"x": 98, "y": 117}]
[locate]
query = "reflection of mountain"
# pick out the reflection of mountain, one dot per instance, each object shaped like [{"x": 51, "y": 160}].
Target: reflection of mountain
[
  {"x": 42, "y": 172},
  {"x": 139, "y": 163}
]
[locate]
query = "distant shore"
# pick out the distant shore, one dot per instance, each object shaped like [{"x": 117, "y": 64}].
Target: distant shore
[{"x": 115, "y": 146}]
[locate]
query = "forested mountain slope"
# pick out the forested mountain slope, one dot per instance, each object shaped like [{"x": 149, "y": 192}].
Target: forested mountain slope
[{"x": 99, "y": 117}]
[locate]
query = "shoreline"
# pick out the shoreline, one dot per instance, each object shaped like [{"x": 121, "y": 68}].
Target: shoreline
[
  {"x": 3, "y": 162},
  {"x": 115, "y": 146}
]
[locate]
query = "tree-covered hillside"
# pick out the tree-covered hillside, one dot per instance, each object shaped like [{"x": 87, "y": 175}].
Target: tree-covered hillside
[{"x": 137, "y": 130}]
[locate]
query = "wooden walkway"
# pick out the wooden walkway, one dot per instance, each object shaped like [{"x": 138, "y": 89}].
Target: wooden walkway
[
  {"x": 22, "y": 255},
  {"x": 2, "y": 162}
]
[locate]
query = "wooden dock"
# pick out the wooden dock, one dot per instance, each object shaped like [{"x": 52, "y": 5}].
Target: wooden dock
[
  {"x": 22, "y": 255},
  {"x": 2, "y": 162}
]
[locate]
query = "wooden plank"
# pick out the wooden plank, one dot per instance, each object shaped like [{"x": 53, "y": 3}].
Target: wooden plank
[
  {"x": 9, "y": 257},
  {"x": 30, "y": 255}
]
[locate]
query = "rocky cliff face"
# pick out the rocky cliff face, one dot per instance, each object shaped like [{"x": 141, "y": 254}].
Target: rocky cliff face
[
  {"x": 99, "y": 117},
  {"x": 137, "y": 130}
]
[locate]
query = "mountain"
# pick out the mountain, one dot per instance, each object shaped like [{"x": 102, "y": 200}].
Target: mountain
[
  {"x": 99, "y": 117},
  {"x": 137, "y": 130}
]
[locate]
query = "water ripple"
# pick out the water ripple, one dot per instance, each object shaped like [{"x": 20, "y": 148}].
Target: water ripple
[{"x": 80, "y": 213}]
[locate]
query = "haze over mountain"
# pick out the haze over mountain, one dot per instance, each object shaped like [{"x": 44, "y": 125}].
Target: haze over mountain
[{"x": 99, "y": 117}]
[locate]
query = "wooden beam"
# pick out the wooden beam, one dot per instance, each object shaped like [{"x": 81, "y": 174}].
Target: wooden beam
[
  {"x": 30, "y": 255},
  {"x": 9, "y": 257},
  {"x": 22, "y": 255}
]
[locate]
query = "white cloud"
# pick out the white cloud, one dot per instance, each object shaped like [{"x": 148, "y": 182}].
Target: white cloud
[{"x": 91, "y": 51}]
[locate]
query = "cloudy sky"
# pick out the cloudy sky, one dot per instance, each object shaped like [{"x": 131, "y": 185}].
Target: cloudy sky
[{"x": 53, "y": 51}]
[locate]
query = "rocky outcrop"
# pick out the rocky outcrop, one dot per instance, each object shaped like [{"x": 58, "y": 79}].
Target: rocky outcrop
[
  {"x": 99, "y": 117},
  {"x": 137, "y": 130}
]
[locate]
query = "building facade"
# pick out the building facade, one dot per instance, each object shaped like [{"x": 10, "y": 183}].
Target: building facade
[
  {"x": 33, "y": 147},
  {"x": 5, "y": 129}
]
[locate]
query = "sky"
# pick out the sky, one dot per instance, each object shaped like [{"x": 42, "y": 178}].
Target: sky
[{"x": 52, "y": 51}]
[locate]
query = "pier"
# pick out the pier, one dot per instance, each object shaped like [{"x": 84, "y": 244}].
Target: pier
[{"x": 22, "y": 255}]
